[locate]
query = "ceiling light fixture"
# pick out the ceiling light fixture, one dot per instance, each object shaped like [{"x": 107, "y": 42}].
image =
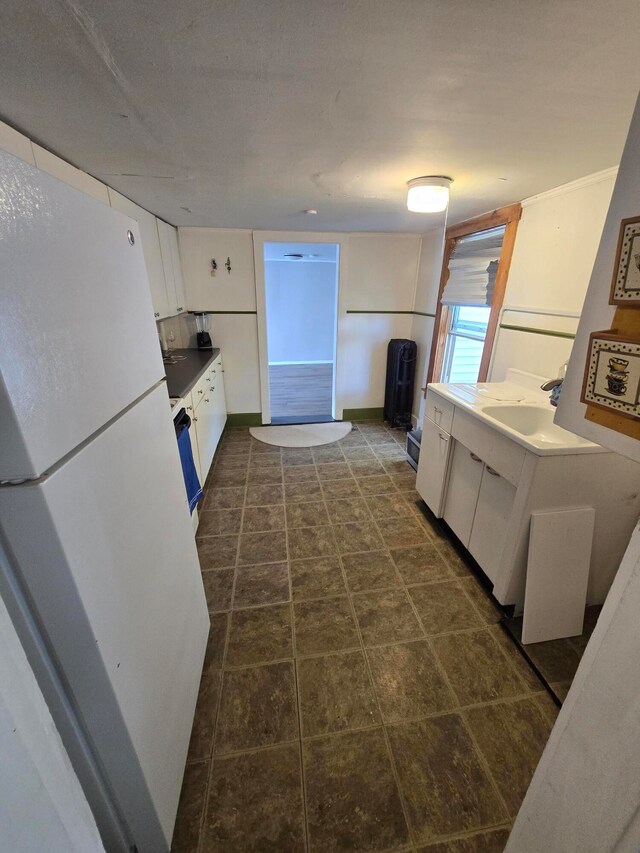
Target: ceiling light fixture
[{"x": 429, "y": 194}]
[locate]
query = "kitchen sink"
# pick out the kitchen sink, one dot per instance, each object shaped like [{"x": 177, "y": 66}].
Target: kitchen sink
[{"x": 535, "y": 422}]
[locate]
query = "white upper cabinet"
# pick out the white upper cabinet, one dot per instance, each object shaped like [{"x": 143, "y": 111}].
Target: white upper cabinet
[
  {"x": 151, "y": 250},
  {"x": 168, "y": 236},
  {"x": 64, "y": 171},
  {"x": 228, "y": 290}
]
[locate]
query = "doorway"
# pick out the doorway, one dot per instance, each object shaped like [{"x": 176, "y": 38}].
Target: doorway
[{"x": 300, "y": 325}]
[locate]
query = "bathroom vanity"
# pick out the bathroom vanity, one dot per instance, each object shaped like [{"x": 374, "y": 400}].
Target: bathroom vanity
[{"x": 546, "y": 514}]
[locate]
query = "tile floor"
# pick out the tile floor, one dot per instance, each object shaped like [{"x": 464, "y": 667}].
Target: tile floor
[{"x": 358, "y": 693}]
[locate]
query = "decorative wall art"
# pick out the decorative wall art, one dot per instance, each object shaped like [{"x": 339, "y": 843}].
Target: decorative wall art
[
  {"x": 625, "y": 286},
  {"x": 612, "y": 375}
]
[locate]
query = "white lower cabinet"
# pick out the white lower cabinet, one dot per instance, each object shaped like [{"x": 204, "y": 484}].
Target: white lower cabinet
[
  {"x": 210, "y": 415},
  {"x": 465, "y": 477},
  {"x": 489, "y": 530},
  {"x": 432, "y": 467}
]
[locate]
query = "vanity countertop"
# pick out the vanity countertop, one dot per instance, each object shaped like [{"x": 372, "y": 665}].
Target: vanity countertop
[{"x": 187, "y": 367}]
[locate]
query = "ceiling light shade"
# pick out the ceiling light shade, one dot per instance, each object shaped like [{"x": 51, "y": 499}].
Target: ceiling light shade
[{"x": 428, "y": 194}]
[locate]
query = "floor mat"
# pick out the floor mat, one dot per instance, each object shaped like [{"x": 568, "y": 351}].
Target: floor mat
[{"x": 301, "y": 435}]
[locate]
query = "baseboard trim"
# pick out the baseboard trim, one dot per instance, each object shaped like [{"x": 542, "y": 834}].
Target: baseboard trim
[
  {"x": 363, "y": 414},
  {"x": 244, "y": 419}
]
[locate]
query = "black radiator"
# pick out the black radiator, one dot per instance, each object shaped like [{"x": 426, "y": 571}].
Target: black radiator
[{"x": 401, "y": 369}]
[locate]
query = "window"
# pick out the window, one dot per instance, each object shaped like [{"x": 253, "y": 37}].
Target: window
[{"x": 464, "y": 343}]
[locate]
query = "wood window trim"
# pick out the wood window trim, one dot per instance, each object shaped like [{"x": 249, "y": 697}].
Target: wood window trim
[{"x": 508, "y": 216}]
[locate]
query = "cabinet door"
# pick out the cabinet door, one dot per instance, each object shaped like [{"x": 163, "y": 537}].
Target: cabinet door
[
  {"x": 165, "y": 236},
  {"x": 151, "y": 250},
  {"x": 219, "y": 401},
  {"x": 495, "y": 501},
  {"x": 462, "y": 491},
  {"x": 432, "y": 467},
  {"x": 178, "y": 281},
  {"x": 193, "y": 435}
]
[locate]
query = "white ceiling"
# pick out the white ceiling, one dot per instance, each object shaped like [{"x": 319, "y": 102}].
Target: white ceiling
[{"x": 242, "y": 113}]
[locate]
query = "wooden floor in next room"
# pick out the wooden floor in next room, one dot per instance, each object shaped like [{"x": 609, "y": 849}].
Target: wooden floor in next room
[{"x": 358, "y": 692}]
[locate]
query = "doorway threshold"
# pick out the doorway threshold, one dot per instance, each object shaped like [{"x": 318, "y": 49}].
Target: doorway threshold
[{"x": 302, "y": 419}]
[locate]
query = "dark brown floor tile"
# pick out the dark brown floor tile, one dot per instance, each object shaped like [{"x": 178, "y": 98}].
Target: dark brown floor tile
[
  {"x": 255, "y": 803},
  {"x": 366, "y": 468},
  {"x": 397, "y": 466},
  {"x": 297, "y": 456},
  {"x": 511, "y": 736},
  {"x": 257, "y": 707},
  {"x": 402, "y": 532},
  {"x": 353, "y": 439},
  {"x": 335, "y": 694},
  {"x": 345, "y": 510},
  {"x": 217, "y": 552},
  {"x": 452, "y": 558},
  {"x": 476, "y": 668},
  {"x": 420, "y": 563},
  {"x": 493, "y": 841},
  {"x": 443, "y": 606},
  {"x": 302, "y": 492},
  {"x": 214, "y": 654},
  {"x": 261, "y": 585},
  {"x": 359, "y": 453},
  {"x": 225, "y": 463},
  {"x": 352, "y": 798},
  {"x": 204, "y": 720},
  {"x": 186, "y": 834},
  {"x": 327, "y": 453},
  {"x": 557, "y": 660},
  {"x": 217, "y": 522},
  {"x": 324, "y": 626},
  {"x": 261, "y": 447},
  {"x": 387, "y": 506},
  {"x": 260, "y": 635},
  {"x": 334, "y": 489},
  {"x": 404, "y": 482},
  {"x": 444, "y": 786},
  {"x": 359, "y": 536},
  {"x": 482, "y": 600},
  {"x": 265, "y": 460},
  {"x": 370, "y": 570},
  {"x": 258, "y": 548},
  {"x": 333, "y": 471},
  {"x": 310, "y": 542},
  {"x": 385, "y": 616},
  {"x": 408, "y": 681},
  {"x": 224, "y": 498},
  {"x": 218, "y": 588},
  {"x": 516, "y": 659},
  {"x": 389, "y": 451},
  {"x": 259, "y": 519},
  {"x": 230, "y": 477},
  {"x": 316, "y": 578},
  {"x": 548, "y": 707},
  {"x": 306, "y": 514},
  {"x": 378, "y": 485},
  {"x": 561, "y": 688},
  {"x": 265, "y": 476},
  {"x": 300, "y": 474},
  {"x": 264, "y": 495}
]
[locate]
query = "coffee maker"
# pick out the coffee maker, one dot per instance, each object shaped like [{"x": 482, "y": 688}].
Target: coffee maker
[{"x": 203, "y": 338}]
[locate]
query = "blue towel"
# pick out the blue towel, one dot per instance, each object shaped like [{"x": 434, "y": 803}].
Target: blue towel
[{"x": 191, "y": 482}]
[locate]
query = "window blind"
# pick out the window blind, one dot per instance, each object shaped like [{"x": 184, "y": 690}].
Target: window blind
[{"x": 472, "y": 269}]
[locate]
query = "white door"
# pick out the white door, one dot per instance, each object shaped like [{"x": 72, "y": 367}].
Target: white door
[
  {"x": 462, "y": 492},
  {"x": 490, "y": 524},
  {"x": 78, "y": 340},
  {"x": 105, "y": 548},
  {"x": 432, "y": 467}
]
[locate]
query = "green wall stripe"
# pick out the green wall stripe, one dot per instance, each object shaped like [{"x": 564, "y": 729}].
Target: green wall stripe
[
  {"x": 363, "y": 414},
  {"x": 424, "y": 314},
  {"x": 244, "y": 419},
  {"x": 533, "y": 331}
]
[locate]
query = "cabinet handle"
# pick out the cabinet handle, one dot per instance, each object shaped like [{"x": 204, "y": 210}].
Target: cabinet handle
[
  {"x": 156, "y": 314},
  {"x": 492, "y": 472},
  {"x": 213, "y": 388},
  {"x": 180, "y": 308},
  {"x": 475, "y": 458},
  {"x": 437, "y": 410},
  {"x": 189, "y": 408},
  {"x": 206, "y": 399},
  {"x": 442, "y": 437},
  {"x": 200, "y": 392},
  {"x": 195, "y": 419}
]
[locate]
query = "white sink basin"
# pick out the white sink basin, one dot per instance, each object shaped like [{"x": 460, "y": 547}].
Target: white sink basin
[{"x": 534, "y": 422}]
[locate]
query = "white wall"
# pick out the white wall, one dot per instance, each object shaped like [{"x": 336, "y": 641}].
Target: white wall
[
  {"x": 555, "y": 247},
  {"x": 42, "y": 806},
  {"x": 301, "y": 299}
]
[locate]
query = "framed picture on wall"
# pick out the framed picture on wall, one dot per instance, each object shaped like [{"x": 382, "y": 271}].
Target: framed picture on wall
[
  {"x": 612, "y": 374},
  {"x": 625, "y": 286}
]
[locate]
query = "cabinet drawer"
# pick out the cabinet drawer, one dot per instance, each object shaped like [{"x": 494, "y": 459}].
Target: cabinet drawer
[
  {"x": 496, "y": 450},
  {"x": 439, "y": 410}
]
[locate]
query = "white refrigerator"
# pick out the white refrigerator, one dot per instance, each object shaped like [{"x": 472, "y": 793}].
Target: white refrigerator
[{"x": 98, "y": 564}]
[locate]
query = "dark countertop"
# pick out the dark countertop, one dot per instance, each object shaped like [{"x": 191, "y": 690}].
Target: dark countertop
[{"x": 184, "y": 374}]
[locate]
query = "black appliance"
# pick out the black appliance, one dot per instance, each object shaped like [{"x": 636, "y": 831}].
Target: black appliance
[
  {"x": 203, "y": 338},
  {"x": 401, "y": 370}
]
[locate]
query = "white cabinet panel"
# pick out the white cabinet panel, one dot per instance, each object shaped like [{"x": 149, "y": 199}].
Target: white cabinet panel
[
  {"x": 226, "y": 291},
  {"x": 439, "y": 410},
  {"x": 64, "y": 171},
  {"x": 165, "y": 235},
  {"x": 178, "y": 281},
  {"x": 151, "y": 249},
  {"x": 493, "y": 510},
  {"x": 219, "y": 400},
  {"x": 16, "y": 143},
  {"x": 432, "y": 468},
  {"x": 462, "y": 492}
]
